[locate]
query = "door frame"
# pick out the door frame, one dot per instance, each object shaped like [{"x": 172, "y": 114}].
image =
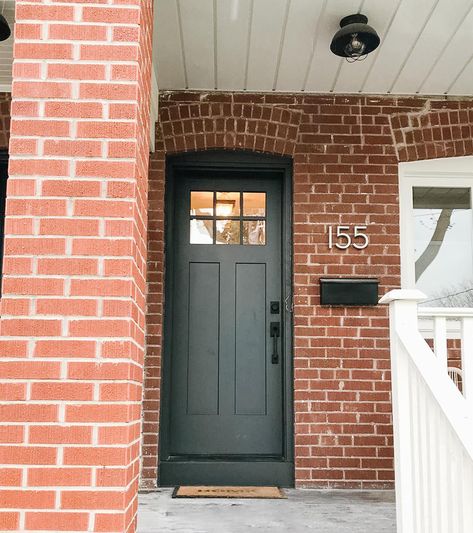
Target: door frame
[
  {"x": 234, "y": 161},
  {"x": 3, "y": 199}
]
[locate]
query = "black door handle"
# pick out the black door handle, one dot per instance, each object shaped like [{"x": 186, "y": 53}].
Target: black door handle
[{"x": 275, "y": 332}]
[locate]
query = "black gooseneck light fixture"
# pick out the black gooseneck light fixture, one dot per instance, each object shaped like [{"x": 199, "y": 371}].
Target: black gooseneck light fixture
[{"x": 355, "y": 39}]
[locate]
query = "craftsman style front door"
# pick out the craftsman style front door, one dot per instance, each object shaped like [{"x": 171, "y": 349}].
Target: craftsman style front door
[{"x": 226, "y": 411}]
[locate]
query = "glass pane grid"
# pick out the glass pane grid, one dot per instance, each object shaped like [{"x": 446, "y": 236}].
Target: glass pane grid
[{"x": 218, "y": 217}]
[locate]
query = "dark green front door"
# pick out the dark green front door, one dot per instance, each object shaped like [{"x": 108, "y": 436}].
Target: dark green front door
[{"x": 226, "y": 412}]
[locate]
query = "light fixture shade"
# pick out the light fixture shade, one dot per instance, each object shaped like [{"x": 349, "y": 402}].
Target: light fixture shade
[
  {"x": 354, "y": 27},
  {"x": 5, "y": 31}
]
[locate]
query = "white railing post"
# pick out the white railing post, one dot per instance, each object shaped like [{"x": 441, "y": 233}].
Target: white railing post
[{"x": 402, "y": 315}]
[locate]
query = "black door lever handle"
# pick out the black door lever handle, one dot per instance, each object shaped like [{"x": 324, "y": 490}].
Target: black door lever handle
[{"x": 275, "y": 332}]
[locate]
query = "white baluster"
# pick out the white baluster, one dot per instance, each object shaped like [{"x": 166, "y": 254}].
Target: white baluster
[
  {"x": 467, "y": 359},
  {"x": 440, "y": 340}
]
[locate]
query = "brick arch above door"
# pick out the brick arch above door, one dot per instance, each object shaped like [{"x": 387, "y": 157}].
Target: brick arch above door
[{"x": 231, "y": 126}]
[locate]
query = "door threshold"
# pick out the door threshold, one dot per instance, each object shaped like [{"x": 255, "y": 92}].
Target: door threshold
[{"x": 226, "y": 473}]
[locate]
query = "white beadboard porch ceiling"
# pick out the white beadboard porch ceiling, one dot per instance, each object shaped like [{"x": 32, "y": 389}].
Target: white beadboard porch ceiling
[
  {"x": 283, "y": 45},
  {"x": 7, "y": 9}
]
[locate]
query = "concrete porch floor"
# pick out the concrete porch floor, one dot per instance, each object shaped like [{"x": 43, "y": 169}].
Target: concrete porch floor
[{"x": 311, "y": 511}]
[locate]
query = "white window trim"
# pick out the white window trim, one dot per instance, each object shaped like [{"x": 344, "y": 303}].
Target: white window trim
[{"x": 444, "y": 172}]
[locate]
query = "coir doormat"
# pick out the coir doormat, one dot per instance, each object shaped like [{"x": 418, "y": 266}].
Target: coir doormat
[{"x": 228, "y": 492}]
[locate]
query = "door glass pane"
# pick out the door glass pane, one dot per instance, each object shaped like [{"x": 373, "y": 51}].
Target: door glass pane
[
  {"x": 228, "y": 232},
  {"x": 201, "y": 231},
  {"x": 254, "y": 204},
  {"x": 228, "y": 204},
  {"x": 254, "y": 232},
  {"x": 202, "y": 203},
  {"x": 443, "y": 245}
]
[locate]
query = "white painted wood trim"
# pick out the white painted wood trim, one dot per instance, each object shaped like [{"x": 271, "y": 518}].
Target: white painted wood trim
[
  {"x": 452, "y": 316},
  {"x": 441, "y": 165},
  {"x": 154, "y": 109},
  {"x": 154, "y": 97},
  {"x": 453, "y": 312},
  {"x": 440, "y": 340},
  {"x": 467, "y": 362}
]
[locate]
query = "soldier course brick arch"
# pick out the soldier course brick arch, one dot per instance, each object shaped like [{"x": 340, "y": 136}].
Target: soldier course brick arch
[
  {"x": 232, "y": 126},
  {"x": 434, "y": 133}
]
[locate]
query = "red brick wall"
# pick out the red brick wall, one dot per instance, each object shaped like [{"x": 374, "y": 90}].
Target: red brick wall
[
  {"x": 345, "y": 151},
  {"x": 73, "y": 301}
]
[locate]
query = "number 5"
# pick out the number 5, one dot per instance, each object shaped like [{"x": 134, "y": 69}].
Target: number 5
[
  {"x": 359, "y": 234},
  {"x": 342, "y": 235}
]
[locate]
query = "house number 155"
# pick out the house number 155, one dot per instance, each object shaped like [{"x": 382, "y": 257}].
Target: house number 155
[{"x": 342, "y": 237}]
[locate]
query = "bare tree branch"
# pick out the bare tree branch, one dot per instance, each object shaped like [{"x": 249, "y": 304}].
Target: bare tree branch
[{"x": 433, "y": 248}]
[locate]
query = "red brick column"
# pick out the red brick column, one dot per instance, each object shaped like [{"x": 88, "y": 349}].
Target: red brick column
[{"x": 72, "y": 311}]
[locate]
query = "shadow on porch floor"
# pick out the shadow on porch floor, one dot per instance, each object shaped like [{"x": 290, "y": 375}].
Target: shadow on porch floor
[{"x": 311, "y": 511}]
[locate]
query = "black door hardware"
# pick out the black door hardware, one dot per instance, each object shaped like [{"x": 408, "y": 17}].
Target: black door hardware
[{"x": 275, "y": 332}]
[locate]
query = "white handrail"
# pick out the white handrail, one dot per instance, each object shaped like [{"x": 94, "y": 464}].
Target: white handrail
[
  {"x": 454, "y": 312},
  {"x": 433, "y": 426}
]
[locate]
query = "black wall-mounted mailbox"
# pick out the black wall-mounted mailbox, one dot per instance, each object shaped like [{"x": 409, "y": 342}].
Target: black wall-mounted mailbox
[{"x": 349, "y": 291}]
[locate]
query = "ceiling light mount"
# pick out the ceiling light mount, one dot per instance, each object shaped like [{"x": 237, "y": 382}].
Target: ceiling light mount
[{"x": 355, "y": 39}]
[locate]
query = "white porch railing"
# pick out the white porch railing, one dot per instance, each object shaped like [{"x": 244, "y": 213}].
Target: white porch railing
[
  {"x": 433, "y": 421},
  {"x": 444, "y": 325}
]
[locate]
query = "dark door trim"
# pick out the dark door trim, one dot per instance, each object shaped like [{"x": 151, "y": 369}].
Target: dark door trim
[
  {"x": 3, "y": 199},
  {"x": 235, "y": 161}
]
